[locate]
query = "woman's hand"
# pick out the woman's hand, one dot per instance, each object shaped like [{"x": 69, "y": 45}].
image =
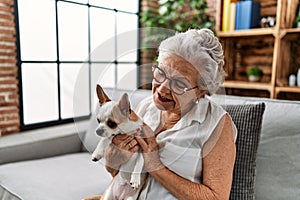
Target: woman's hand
[
  {"x": 120, "y": 150},
  {"x": 147, "y": 140}
]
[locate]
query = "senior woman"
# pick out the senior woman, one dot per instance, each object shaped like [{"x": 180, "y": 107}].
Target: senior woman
[{"x": 188, "y": 143}]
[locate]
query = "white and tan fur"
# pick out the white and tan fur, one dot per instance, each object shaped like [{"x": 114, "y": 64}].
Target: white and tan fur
[{"x": 114, "y": 118}]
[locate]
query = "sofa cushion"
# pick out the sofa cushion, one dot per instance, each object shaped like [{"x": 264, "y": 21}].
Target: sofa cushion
[
  {"x": 248, "y": 120},
  {"x": 42, "y": 143},
  {"x": 71, "y": 176},
  {"x": 278, "y": 153}
]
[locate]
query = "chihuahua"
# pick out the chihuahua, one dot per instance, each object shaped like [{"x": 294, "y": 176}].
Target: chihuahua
[{"x": 114, "y": 118}]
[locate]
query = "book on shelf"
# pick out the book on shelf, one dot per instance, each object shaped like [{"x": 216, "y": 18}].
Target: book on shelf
[
  {"x": 232, "y": 16},
  {"x": 247, "y": 15},
  {"x": 226, "y": 15}
]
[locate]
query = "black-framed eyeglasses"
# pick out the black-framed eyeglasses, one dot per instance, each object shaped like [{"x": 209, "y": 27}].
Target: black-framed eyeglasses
[{"x": 176, "y": 86}]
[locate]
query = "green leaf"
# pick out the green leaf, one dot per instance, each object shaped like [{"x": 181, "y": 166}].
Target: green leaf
[{"x": 170, "y": 15}]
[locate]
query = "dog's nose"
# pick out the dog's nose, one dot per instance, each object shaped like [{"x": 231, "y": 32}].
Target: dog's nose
[{"x": 100, "y": 131}]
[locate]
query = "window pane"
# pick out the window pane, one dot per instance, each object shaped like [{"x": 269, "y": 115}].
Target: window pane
[
  {"x": 74, "y": 79},
  {"x": 128, "y": 5},
  {"x": 113, "y": 37},
  {"x": 127, "y": 38},
  {"x": 80, "y": 1},
  {"x": 124, "y": 5},
  {"x": 127, "y": 76},
  {"x": 103, "y": 74},
  {"x": 103, "y": 3},
  {"x": 102, "y": 35},
  {"x": 73, "y": 31},
  {"x": 126, "y": 22},
  {"x": 40, "y": 93},
  {"x": 37, "y": 29}
]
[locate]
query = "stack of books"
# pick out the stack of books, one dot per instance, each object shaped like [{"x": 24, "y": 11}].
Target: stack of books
[{"x": 238, "y": 15}]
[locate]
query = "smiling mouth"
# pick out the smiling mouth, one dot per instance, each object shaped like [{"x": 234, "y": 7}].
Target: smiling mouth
[{"x": 163, "y": 99}]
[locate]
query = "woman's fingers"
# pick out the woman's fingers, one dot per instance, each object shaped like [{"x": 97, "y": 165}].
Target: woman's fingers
[
  {"x": 142, "y": 143},
  {"x": 141, "y": 139},
  {"x": 125, "y": 142},
  {"x": 149, "y": 147},
  {"x": 147, "y": 132},
  {"x": 121, "y": 149},
  {"x": 147, "y": 140},
  {"x": 119, "y": 139}
]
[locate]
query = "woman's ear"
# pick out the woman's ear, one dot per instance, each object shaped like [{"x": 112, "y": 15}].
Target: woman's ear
[{"x": 200, "y": 93}]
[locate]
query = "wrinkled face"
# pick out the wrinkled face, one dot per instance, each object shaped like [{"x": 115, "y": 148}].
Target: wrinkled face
[{"x": 179, "y": 69}]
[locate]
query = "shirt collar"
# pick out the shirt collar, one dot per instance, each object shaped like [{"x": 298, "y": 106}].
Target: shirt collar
[
  {"x": 198, "y": 113},
  {"x": 201, "y": 109}
]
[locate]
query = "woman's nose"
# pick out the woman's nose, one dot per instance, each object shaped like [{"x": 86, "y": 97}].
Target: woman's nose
[{"x": 164, "y": 87}]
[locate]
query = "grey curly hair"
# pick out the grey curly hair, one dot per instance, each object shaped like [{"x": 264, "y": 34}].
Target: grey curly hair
[{"x": 202, "y": 49}]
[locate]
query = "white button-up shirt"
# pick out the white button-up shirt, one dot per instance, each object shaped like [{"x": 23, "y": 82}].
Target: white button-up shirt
[{"x": 180, "y": 148}]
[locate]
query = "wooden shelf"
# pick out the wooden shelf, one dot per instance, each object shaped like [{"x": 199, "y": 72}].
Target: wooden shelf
[
  {"x": 292, "y": 30},
  {"x": 294, "y": 89},
  {"x": 275, "y": 50},
  {"x": 284, "y": 32},
  {"x": 257, "y": 32},
  {"x": 248, "y": 85},
  {"x": 246, "y": 33}
]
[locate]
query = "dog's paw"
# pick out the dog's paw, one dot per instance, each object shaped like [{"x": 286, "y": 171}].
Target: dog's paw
[
  {"x": 135, "y": 181},
  {"x": 96, "y": 158},
  {"x": 134, "y": 185}
]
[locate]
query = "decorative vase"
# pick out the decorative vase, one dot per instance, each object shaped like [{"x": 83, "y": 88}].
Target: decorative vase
[
  {"x": 253, "y": 78},
  {"x": 298, "y": 77},
  {"x": 292, "y": 80}
]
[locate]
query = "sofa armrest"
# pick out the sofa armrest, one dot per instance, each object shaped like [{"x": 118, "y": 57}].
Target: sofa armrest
[{"x": 41, "y": 143}]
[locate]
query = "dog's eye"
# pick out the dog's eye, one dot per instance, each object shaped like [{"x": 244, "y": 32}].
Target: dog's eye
[
  {"x": 111, "y": 123},
  {"x": 98, "y": 120},
  {"x": 98, "y": 117}
]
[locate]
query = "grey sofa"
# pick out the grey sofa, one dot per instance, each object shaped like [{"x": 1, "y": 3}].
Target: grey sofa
[{"x": 54, "y": 163}]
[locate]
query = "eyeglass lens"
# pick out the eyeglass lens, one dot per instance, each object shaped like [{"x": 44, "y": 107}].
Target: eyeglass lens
[{"x": 176, "y": 86}]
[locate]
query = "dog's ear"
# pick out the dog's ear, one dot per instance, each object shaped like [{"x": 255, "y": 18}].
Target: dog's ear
[
  {"x": 101, "y": 95},
  {"x": 124, "y": 104}
]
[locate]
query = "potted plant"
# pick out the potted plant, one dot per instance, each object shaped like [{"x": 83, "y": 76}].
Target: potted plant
[
  {"x": 255, "y": 74},
  {"x": 179, "y": 15},
  {"x": 297, "y": 21},
  {"x": 297, "y": 17}
]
